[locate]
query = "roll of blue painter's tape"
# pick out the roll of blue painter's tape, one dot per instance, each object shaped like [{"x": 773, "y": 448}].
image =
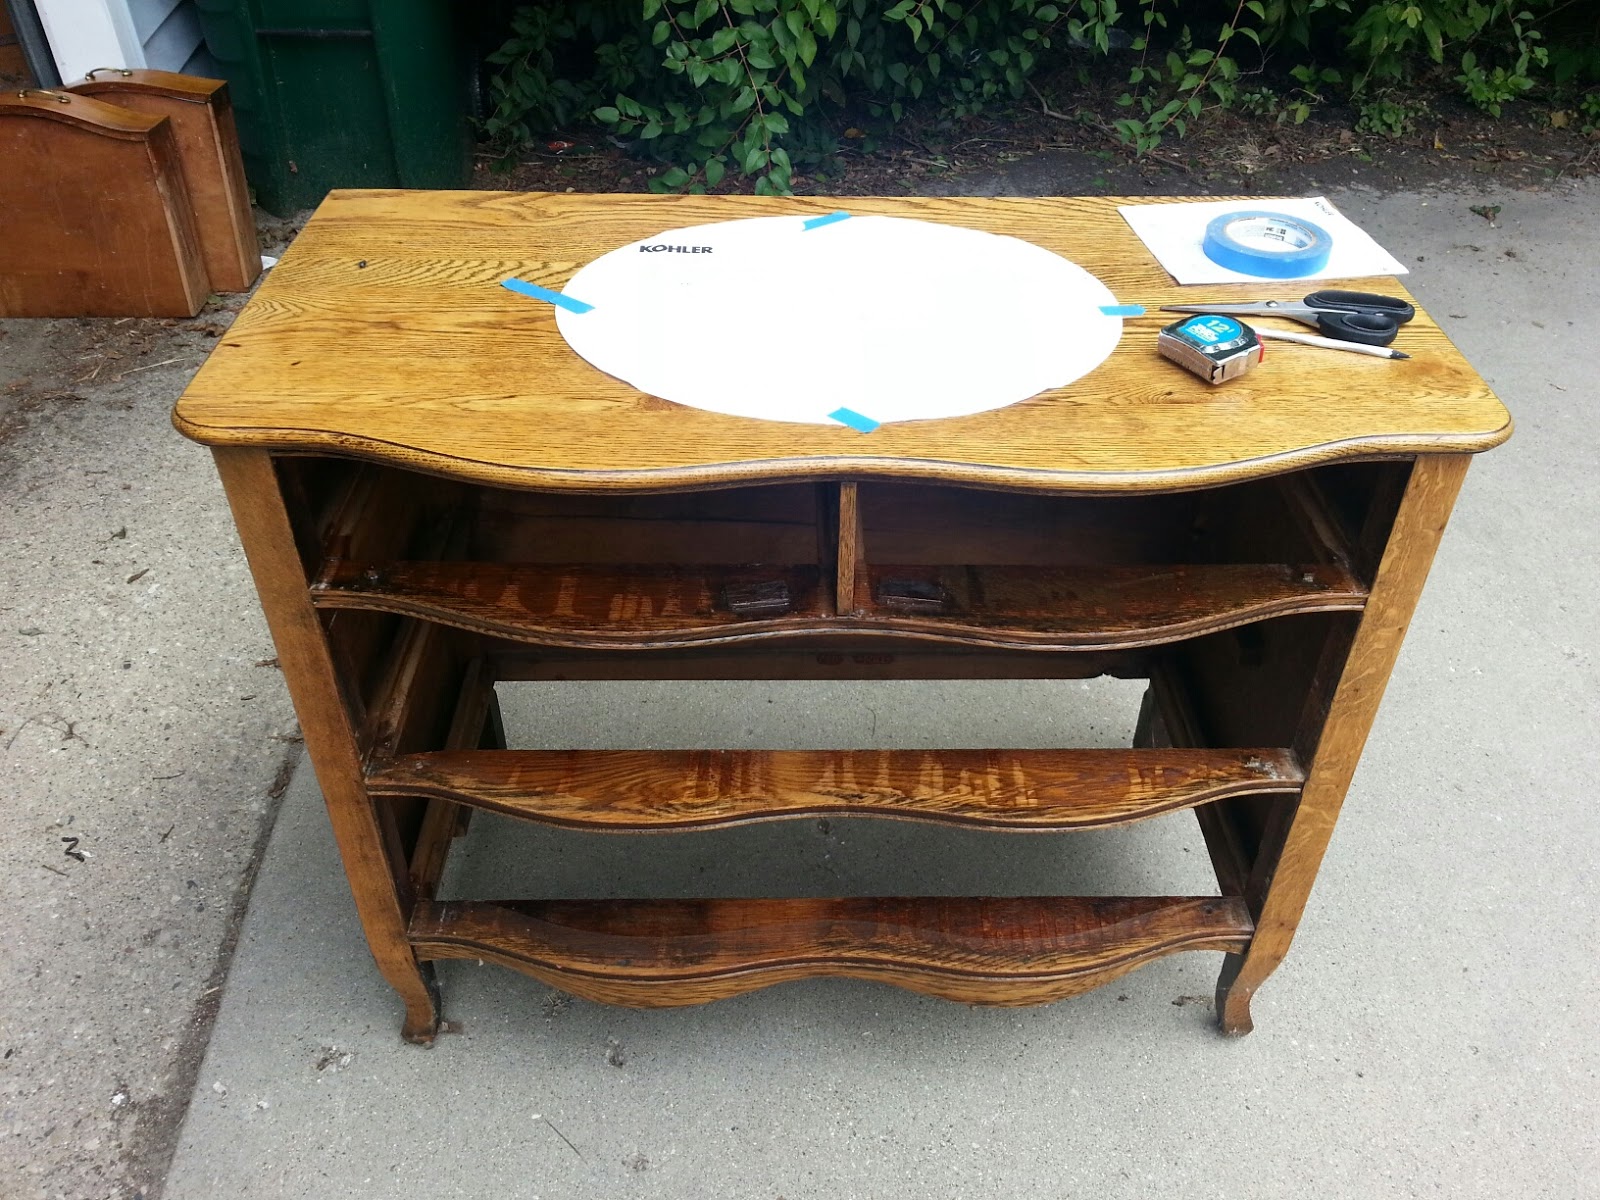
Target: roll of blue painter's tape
[{"x": 1267, "y": 245}]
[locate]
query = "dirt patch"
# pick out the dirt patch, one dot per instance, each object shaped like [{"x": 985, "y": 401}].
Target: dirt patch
[
  {"x": 333, "y": 1059},
  {"x": 48, "y": 364},
  {"x": 51, "y": 364},
  {"x": 1056, "y": 142}
]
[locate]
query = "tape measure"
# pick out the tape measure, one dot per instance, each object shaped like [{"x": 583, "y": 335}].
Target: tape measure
[
  {"x": 1214, "y": 347},
  {"x": 1267, "y": 245}
]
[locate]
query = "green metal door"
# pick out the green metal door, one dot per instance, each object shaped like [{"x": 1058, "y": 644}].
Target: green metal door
[{"x": 343, "y": 93}]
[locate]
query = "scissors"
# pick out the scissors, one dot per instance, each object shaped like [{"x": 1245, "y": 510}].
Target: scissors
[{"x": 1363, "y": 317}]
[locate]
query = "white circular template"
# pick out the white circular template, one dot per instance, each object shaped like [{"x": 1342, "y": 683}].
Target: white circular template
[{"x": 790, "y": 319}]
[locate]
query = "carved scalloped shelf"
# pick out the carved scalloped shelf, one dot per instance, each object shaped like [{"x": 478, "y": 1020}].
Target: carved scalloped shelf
[
  {"x": 1035, "y": 790},
  {"x": 988, "y": 950},
  {"x": 643, "y": 607}
]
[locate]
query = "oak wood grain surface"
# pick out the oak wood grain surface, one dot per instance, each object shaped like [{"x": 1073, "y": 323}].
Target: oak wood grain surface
[
  {"x": 384, "y": 334},
  {"x": 574, "y": 604},
  {"x": 686, "y": 789},
  {"x": 1043, "y": 608},
  {"x": 980, "y": 950},
  {"x": 1101, "y": 608}
]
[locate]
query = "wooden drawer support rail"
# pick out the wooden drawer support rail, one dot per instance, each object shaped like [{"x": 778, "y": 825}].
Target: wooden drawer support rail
[
  {"x": 1174, "y": 724},
  {"x": 1026, "y": 790},
  {"x": 381, "y": 516},
  {"x": 1319, "y": 526},
  {"x": 413, "y": 656},
  {"x": 476, "y": 723},
  {"x": 665, "y": 953}
]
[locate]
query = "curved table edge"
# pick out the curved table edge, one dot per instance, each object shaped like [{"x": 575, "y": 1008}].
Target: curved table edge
[{"x": 705, "y": 476}]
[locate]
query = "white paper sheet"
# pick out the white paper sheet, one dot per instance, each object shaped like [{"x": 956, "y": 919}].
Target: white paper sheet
[
  {"x": 895, "y": 319},
  {"x": 1174, "y": 233}
]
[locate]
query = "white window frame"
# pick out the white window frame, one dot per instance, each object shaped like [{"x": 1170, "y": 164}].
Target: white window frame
[{"x": 85, "y": 34}]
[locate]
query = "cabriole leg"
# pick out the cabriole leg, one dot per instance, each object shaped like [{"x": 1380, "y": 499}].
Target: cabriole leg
[{"x": 1429, "y": 496}]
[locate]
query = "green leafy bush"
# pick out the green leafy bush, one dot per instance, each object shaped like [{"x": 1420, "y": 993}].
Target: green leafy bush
[
  {"x": 540, "y": 85},
  {"x": 754, "y": 87}
]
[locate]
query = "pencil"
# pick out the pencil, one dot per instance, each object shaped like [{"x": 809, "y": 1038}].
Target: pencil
[{"x": 1311, "y": 339}]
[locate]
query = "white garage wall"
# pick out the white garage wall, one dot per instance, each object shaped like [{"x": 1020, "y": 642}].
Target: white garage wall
[{"x": 84, "y": 34}]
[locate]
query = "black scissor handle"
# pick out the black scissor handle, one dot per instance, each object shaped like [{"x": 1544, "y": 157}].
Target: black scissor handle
[
  {"x": 1365, "y": 317},
  {"x": 1368, "y": 302},
  {"x": 1370, "y": 329}
]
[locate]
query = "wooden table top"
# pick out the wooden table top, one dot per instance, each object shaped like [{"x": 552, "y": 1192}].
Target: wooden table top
[{"x": 383, "y": 334}]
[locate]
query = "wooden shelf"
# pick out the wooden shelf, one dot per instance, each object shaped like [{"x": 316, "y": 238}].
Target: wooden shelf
[
  {"x": 686, "y": 789},
  {"x": 1094, "y": 608},
  {"x": 985, "y": 950},
  {"x": 1025, "y": 572},
  {"x": 1064, "y": 608},
  {"x": 577, "y": 606}
]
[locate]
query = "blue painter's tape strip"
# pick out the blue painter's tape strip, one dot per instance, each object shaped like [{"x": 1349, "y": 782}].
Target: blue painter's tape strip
[
  {"x": 819, "y": 222},
  {"x": 1122, "y": 310},
  {"x": 850, "y": 417},
  {"x": 541, "y": 293}
]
